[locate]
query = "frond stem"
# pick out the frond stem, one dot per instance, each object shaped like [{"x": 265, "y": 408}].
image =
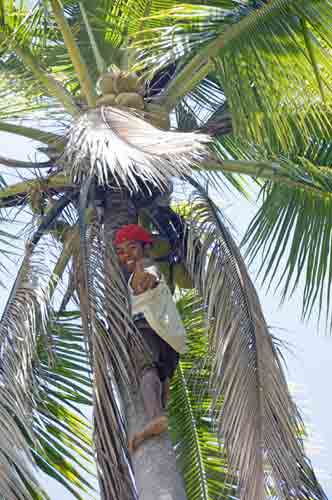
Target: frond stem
[
  {"x": 273, "y": 171},
  {"x": 53, "y": 87},
  {"x": 74, "y": 53},
  {"x": 313, "y": 59},
  {"x": 186, "y": 79},
  {"x": 70, "y": 245},
  {"x": 31, "y": 133},
  {"x": 8, "y": 162},
  {"x": 50, "y": 217},
  {"x": 57, "y": 183},
  {"x": 101, "y": 65}
]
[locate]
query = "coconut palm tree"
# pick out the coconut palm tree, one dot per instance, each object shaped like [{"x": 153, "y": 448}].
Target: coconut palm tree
[{"x": 133, "y": 102}]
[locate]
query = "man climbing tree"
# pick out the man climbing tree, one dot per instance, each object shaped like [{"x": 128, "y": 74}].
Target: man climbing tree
[{"x": 160, "y": 359}]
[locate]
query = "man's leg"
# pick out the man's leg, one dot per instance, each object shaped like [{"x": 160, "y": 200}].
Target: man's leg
[
  {"x": 169, "y": 360},
  {"x": 151, "y": 391}
]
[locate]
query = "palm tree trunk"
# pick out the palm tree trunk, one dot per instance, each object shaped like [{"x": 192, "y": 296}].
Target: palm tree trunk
[{"x": 155, "y": 468}]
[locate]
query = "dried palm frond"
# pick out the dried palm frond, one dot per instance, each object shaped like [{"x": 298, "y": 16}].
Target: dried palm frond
[
  {"x": 118, "y": 146},
  {"x": 258, "y": 420},
  {"x": 109, "y": 330},
  {"x": 72, "y": 286},
  {"x": 26, "y": 307},
  {"x": 114, "y": 375}
]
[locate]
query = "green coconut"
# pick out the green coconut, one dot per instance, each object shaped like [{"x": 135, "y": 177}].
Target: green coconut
[
  {"x": 161, "y": 248},
  {"x": 128, "y": 83},
  {"x": 130, "y": 100},
  {"x": 106, "y": 83},
  {"x": 106, "y": 100},
  {"x": 125, "y": 82}
]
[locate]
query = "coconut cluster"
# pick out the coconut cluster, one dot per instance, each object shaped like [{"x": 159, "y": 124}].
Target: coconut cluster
[{"x": 118, "y": 88}]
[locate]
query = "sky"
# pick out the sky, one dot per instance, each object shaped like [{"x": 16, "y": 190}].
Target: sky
[{"x": 309, "y": 358}]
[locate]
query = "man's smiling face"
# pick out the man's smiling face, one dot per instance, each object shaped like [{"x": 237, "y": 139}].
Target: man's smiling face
[{"x": 129, "y": 253}]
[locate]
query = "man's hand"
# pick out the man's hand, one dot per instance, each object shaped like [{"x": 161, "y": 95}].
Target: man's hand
[{"x": 142, "y": 280}]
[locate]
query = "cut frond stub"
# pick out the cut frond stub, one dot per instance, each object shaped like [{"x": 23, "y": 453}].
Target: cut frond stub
[{"x": 120, "y": 148}]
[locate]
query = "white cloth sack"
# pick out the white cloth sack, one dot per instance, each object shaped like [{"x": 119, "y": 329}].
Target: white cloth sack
[{"x": 160, "y": 312}]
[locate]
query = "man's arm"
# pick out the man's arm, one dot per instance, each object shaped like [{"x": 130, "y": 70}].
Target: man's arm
[{"x": 145, "y": 279}]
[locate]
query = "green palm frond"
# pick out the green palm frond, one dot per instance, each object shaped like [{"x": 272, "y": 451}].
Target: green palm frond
[
  {"x": 76, "y": 57},
  {"x": 107, "y": 24},
  {"x": 27, "y": 98},
  {"x": 2, "y": 12},
  {"x": 128, "y": 18},
  {"x": 319, "y": 137},
  {"x": 57, "y": 36},
  {"x": 187, "y": 117},
  {"x": 258, "y": 420},
  {"x": 23, "y": 39},
  {"x": 291, "y": 234},
  {"x": 36, "y": 86},
  {"x": 24, "y": 21},
  {"x": 319, "y": 152},
  {"x": 201, "y": 457},
  {"x": 43, "y": 381},
  {"x": 56, "y": 368},
  {"x": 190, "y": 25},
  {"x": 63, "y": 436},
  {"x": 218, "y": 125},
  {"x": 261, "y": 57},
  {"x": 25, "y": 101},
  {"x": 298, "y": 171},
  {"x": 208, "y": 108}
]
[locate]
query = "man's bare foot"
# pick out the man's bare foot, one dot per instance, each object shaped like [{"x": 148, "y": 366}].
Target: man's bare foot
[{"x": 154, "y": 428}]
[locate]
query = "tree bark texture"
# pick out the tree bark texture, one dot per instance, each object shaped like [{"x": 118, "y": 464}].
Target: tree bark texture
[
  {"x": 154, "y": 463},
  {"x": 155, "y": 468}
]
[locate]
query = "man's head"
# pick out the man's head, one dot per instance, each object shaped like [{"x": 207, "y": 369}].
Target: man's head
[{"x": 130, "y": 242}]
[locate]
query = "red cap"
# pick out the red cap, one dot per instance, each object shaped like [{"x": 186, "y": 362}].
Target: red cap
[{"x": 132, "y": 232}]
